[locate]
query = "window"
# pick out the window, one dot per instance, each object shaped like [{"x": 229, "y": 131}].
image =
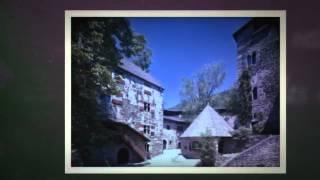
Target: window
[
  {"x": 152, "y": 133},
  {"x": 168, "y": 126},
  {"x": 249, "y": 60},
  {"x": 146, "y": 107},
  {"x": 195, "y": 145},
  {"x": 254, "y": 57},
  {"x": 255, "y": 93},
  {"x": 146, "y": 129},
  {"x": 170, "y": 142}
]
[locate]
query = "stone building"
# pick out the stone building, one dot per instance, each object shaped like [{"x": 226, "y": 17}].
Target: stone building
[
  {"x": 207, "y": 123},
  {"x": 173, "y": 126},
  {"x": 258, "y": 52},
  {"x": 139, "y": 109}
]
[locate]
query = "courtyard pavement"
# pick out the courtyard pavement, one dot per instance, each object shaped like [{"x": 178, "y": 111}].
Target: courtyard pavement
[{"x": 173, "y": 158}]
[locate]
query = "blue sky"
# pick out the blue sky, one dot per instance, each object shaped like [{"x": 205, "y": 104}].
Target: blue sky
[{"x": 181, "y": 46}]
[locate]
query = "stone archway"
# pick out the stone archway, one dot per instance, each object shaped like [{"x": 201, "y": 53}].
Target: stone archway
[
  {"x": 123, "y": 156},
  {"x": 164, "y": 144}
]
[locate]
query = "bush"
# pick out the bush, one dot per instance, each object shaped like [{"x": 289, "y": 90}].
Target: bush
[
  {"x": 242, "y": 133},
  {"x": 208, "y": 150}
]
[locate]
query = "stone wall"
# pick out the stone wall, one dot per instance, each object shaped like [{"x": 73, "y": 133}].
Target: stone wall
[
  {"x": 171, "y": 139},
  {"x": 139, "y": 105},
  {"x": 228, "y": 145},
  {"x": 175, "y": 126},
  {"x": 264, "y": 154},
  {"x": 262, "y": 39},
  {"x": 173, "y": 133}
]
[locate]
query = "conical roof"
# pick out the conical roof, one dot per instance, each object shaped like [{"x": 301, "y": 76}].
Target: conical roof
[{"x": 210, "y": 120}]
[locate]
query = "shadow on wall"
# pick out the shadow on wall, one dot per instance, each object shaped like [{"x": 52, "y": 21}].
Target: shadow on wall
[{"x": 272, "y": 125}]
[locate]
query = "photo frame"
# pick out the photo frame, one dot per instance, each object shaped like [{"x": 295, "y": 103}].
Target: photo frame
[{"x": 175, "y": 170}]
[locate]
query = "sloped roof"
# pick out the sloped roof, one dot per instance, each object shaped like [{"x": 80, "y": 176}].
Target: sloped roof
[
  {"x": 208, "y": 119},
  {"x": 174, "y": 118},
  {"x": 128, "y": 66}
]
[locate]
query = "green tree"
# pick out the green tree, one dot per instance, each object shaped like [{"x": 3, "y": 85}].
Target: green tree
[
  {"x": 242, "y": 135},
  {"x": 208, "y": 152},
  {"x": 98, "y": 45},
  {"x": 240, "y": 101},
  {"x": 196, "y": 92},
  {"x": 245, "y": 99},
  {"x": 142, "y": 53}
]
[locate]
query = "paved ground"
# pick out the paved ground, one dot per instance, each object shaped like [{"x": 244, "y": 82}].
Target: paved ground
[{"x": 173, "y": 158}]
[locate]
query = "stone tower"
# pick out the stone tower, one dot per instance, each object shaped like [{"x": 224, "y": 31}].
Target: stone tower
[{"x": 258, "y": 51}]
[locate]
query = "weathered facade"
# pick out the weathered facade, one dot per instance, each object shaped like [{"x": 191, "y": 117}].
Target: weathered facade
[
  {"x": 139, "y": 105},
  {"x": 173, "y": 126},
  {"x": 258, "y": 52}
]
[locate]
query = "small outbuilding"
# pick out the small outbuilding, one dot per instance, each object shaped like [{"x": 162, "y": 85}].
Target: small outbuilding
[{"x": 208, "y": 123}]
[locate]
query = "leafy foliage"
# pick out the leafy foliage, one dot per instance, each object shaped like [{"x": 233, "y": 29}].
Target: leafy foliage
[
  {"x": 98, "y": 45},
  {"x": 242, "y": 133},
  {"x": 240, "y": 103},
  {"x": 142, "y": 53},
  {"x": 198, "y": 90},
  {"x": 260, "y": 125},
  {"x": 208, "y": 149}
]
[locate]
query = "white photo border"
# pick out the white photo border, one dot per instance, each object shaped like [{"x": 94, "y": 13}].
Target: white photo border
[{"x": 175, "y": 170}]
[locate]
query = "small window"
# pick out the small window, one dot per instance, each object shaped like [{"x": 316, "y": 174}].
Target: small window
[
  {"x": 168, "y": 127},
  {"x": 152, "y": 133},
  {"x": 249, "y": 60},
  {"x": 147, "y": 147},
  {"x": 170, "y": 142},
  {"x": 255, "y": 93},
  {"x": 254, "y": 57},
  {"x": 146, "y": 107},
  {"x": 146, "y": 129},
  {"x": 195, "y": 145}
]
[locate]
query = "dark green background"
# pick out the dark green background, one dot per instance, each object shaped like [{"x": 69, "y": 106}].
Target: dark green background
[{"x": 32, "y": 85}]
